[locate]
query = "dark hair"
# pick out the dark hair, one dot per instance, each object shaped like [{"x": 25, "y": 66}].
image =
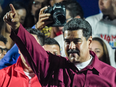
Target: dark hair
[
  {"x": 17, "y": 5},
  {"x": 30, "y": 18},
  {"x": 45, "y": 3},
  {"x": 51, "y": 41},
  {"x": 105, "y": 57},
  {"x": 78, "y": 23},
  {"x": 40, "y": 36},
  {"x": 74, "y": 8},
  {"x": 3, "y": 39}
]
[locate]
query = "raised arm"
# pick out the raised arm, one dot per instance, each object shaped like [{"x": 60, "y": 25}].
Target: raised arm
[
  {"x": 41, "y": 62},
  {"x": 35, "y": 55}
]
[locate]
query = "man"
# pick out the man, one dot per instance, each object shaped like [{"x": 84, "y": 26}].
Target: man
[
  {"x": 11, "y": 56},
  {"x": 104, "y": 24},
  {"x": 73, "y": 10},
  {"x": 81, "y": 69},
  {"x": 52, "y": 46},
  {"x": 20, "y": 74},
  {"x": 3, "y": 49}
]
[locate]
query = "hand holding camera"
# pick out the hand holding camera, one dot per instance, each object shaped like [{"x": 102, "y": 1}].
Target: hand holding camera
[
  {"x": 52, "y": 16},
  {"x": 43, "y": 17}
]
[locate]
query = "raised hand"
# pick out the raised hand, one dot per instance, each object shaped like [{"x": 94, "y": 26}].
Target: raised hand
[
  {"x": 12, "y": 18},
  {"x": 43, "y": 19}
]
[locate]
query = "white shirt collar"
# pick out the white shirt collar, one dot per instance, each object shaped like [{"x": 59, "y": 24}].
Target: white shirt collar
[{"x": 82, "y": 65}]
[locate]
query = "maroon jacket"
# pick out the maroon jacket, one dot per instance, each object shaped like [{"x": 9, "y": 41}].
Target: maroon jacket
[{"x": 56, "y": 71}]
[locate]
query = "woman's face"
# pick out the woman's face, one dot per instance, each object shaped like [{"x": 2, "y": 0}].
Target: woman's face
[
  {"x": 37, "y": 4},
  {"x": 97, "y": 48}
]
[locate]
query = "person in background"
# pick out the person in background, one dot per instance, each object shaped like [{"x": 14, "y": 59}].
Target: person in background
[
  {"x": 12, "y": 55},
  {"x": 73, "y": 10},
  {"x": 100, "y": 48},
  {"x": 52, "y": 70},
  {"x": 5, "y": 29},
  {"x": 3, "y": 49},
  {"x": 20, "y": 74},
  {"x": 52, "y": 46},
  {"x": 104, "y": 23},
  {"x": 51, "y": 31},
  {"x": 33, "y": 10}
]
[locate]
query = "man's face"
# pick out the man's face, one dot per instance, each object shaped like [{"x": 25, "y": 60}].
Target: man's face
[
  {"x": 105, "y": 6},
  {"x": 54, "y": 49},
  {"x": 76, "y": 46},
  {"x": 3, "y": 49},
  {"x": 114, "y": 6}
]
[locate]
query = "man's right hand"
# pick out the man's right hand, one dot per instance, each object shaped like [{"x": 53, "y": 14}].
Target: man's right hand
[
  {"x": 12, "y": 18},
  {"x": 43, "y": 17}
]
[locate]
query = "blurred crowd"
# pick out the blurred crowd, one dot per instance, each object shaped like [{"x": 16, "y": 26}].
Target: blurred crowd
[{"x": 11, "y": 59}]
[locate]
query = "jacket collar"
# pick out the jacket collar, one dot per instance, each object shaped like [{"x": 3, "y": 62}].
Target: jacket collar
[{"x": 96, "y": 64}]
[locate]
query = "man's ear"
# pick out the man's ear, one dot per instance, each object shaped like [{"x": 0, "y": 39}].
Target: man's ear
[{"x": 89, "y": 42}]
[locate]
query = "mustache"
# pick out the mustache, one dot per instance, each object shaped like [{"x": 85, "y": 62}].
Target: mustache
[{"x": 73, "y": 51}]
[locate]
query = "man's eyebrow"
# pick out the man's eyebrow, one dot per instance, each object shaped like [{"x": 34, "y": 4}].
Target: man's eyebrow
[
  {"x": 74, "y": 39},
  {"x": 77, "y": 39}
]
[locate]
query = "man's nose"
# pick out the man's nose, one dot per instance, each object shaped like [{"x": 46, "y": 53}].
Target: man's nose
[{"x": 72, "y": 45}]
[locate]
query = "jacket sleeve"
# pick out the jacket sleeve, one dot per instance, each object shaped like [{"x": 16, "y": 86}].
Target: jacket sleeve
[{"x": 38, "y": 59}]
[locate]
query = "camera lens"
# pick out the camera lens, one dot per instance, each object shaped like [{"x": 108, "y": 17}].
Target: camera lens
[{"x": 59, "y": 17}]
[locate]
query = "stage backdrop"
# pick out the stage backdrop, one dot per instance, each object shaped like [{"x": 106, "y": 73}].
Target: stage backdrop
[{"x": 90, "y": 7}]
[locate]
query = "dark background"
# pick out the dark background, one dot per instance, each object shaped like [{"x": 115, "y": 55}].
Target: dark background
[{"x": 90, "y": 7}]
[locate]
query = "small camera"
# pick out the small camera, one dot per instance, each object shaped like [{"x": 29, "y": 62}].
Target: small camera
[{"x": 58, "y": 14}]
